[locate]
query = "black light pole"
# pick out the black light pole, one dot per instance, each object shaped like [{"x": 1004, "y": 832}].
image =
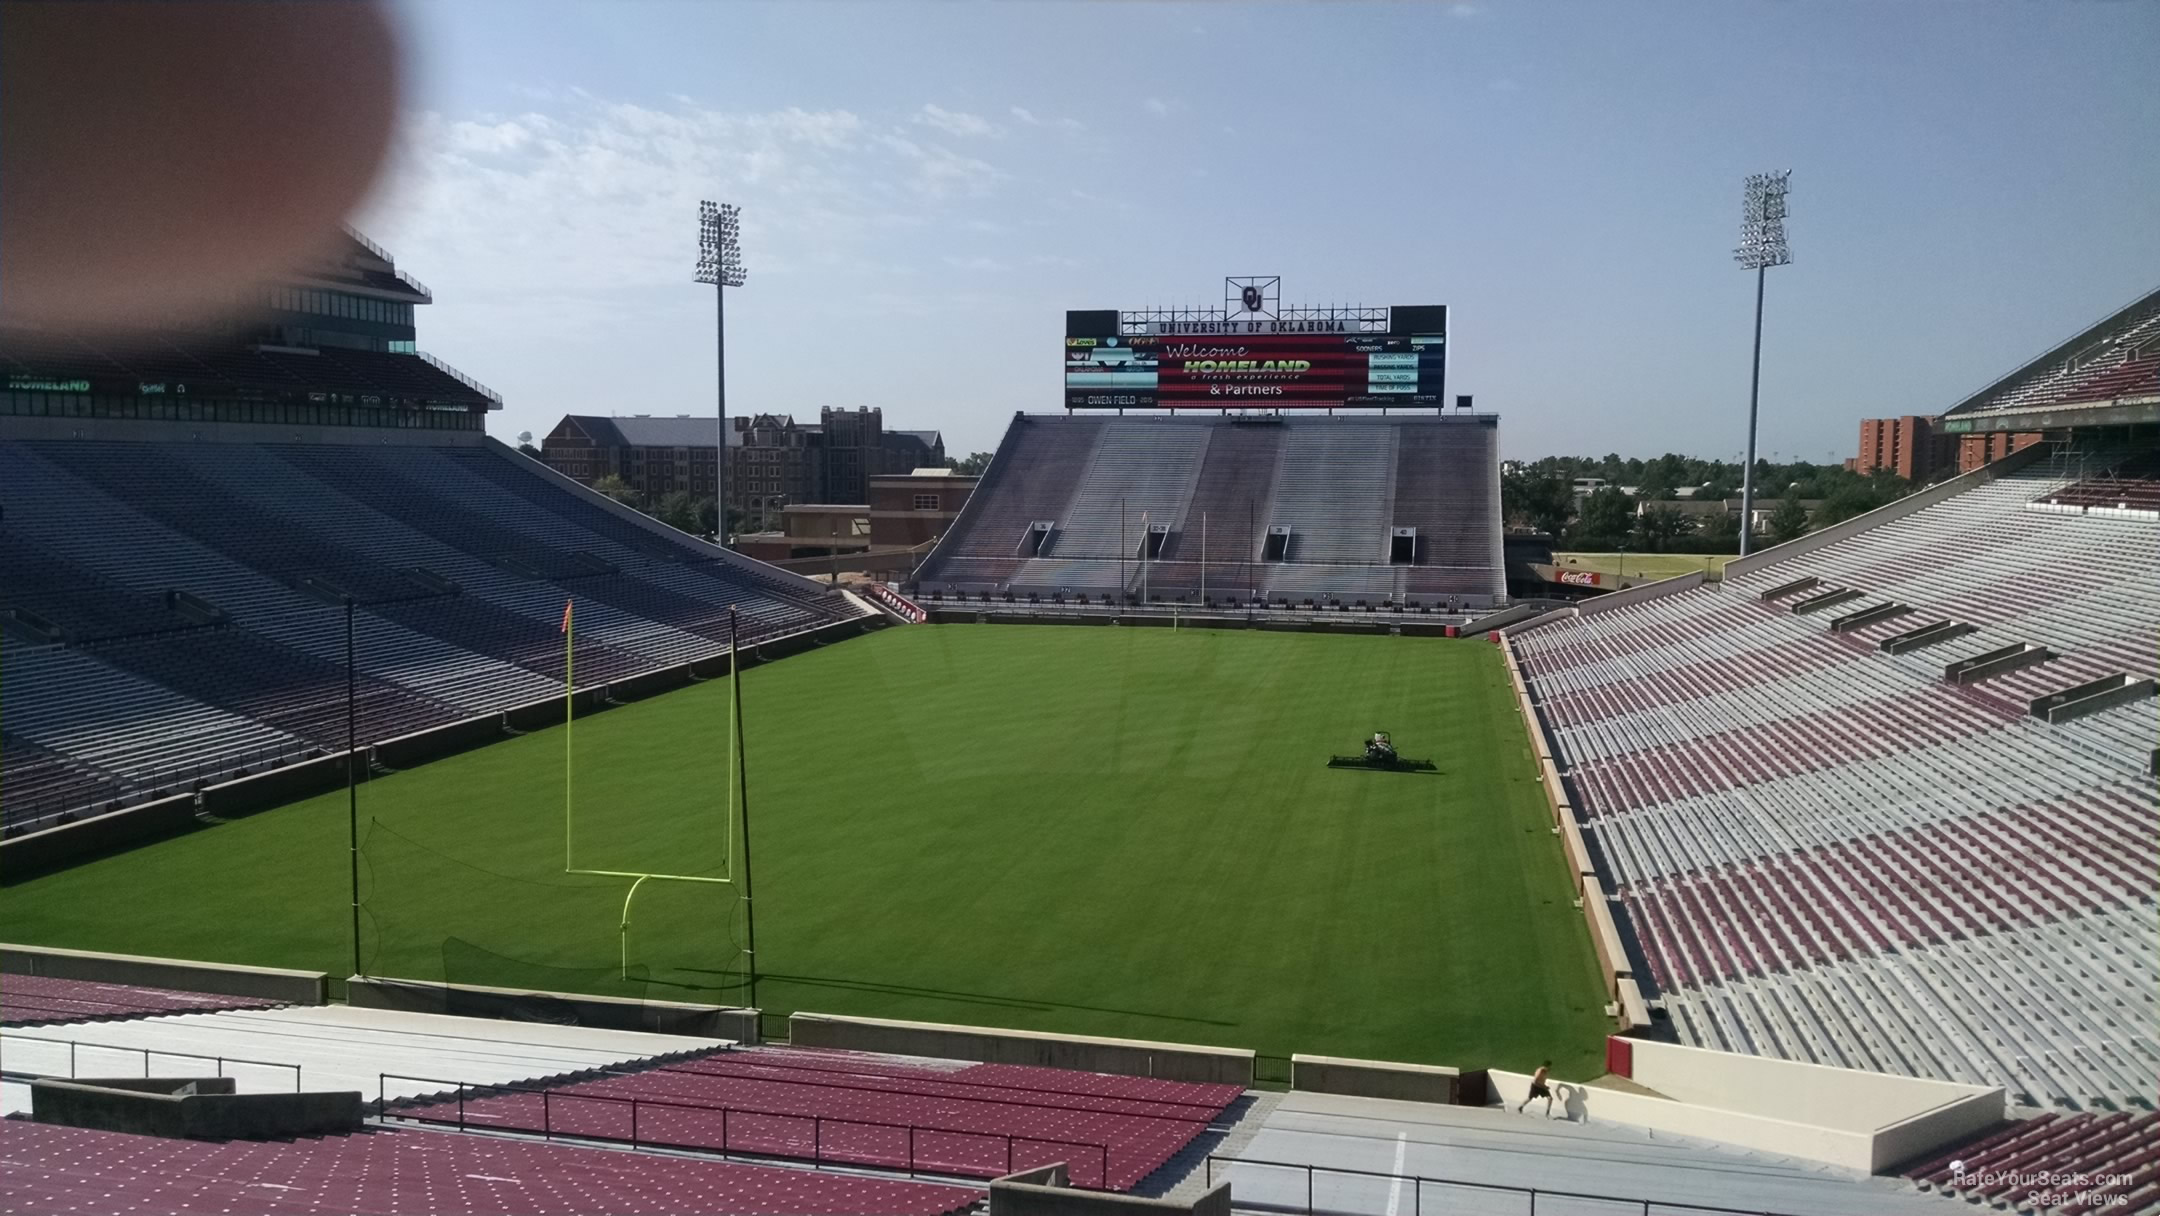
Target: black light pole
[
  {"x": 742, "y": 780},
  {"x": 1762, "y": 245},
  {"x": 352, "y": 779},
  {"x": 720, "y": 264},
  {"x": 1252, "y": 585}
]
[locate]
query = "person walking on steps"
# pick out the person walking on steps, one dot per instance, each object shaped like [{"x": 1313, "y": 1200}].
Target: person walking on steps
[{"x": 1538, "y": 1089}]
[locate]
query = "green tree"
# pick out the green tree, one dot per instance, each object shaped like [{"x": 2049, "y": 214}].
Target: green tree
[
  {"x": 1659, "y": 525},
  {"x": 1662, "y": 476},
  {"x": 678, "y": 509},
  {"x": 1722, "y": 530},
  {"x": 1607, "y": 512},
  {"x": 616, "y": 488},
  {"x": 1789, "y": 521},
  {"x": 1860, "y": 495},
  {"x": 970, "y": 466},
  {"x": 1548, "y": 505}
]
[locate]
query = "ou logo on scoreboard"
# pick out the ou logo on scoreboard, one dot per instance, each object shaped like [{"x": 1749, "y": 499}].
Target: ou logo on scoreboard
[{"x": 1252, "y": 297}]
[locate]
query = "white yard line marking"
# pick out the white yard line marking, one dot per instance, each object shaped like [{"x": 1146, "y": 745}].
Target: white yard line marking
[{"x": 1394, "y": 1194}]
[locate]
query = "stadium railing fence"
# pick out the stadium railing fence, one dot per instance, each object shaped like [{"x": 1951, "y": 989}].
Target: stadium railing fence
[
  {"x": 73, "y": 1045},
  {"x": 414, "y": 1110},
  {"x": 1447, "y": 1191}
]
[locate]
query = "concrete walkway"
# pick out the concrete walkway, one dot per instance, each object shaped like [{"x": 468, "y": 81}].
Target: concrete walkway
[{"x": 1497, "y": 1148}]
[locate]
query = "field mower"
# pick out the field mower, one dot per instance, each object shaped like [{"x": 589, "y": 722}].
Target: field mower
[{"x": 1380, "y": 755}]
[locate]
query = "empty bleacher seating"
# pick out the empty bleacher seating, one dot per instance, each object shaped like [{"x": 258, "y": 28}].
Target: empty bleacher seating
[
  {"x": 978, "y": 1120},
  {"x": 176, "y": 610},
  {"x": 2062, "y": 1163},
  {"x": 33, "y": 1000},
  {"x": 1340, "y": 485},
  {"x": 1827, "y": 853},
  {"x": 57, "y": 1169},
  {"x": 2116, "y": 359},
  {"x": 2133, "y": 485}
]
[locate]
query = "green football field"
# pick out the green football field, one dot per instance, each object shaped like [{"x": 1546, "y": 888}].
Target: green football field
[{"x": 1115, "y": 831}]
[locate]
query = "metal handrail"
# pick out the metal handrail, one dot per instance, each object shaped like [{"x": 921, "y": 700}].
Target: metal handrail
[
  {"x": 146, "y": 1053},
  {"x": 460, "y": 377},
  {"x": 872, "y": 1089},
  {"x": 1419, "y": 1182},
  {"x": 817, "y": 1122}
]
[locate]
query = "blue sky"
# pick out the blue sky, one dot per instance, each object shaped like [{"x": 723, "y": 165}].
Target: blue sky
[{"x": 928, "y": 187}]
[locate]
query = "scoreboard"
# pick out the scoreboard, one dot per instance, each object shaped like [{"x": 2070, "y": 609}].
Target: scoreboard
[{"x": 1253, "y": 370}]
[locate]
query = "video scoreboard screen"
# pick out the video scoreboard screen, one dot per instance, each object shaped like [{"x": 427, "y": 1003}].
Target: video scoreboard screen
[{"x": 1254, "y": 370}]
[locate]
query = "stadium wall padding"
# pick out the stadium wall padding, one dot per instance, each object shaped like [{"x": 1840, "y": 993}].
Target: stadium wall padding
[
  {"x": 1044, "y": 1192},
  {"x": 991, "y": 1045},
  {"x": 1818, "y": 1094},
  {"x": 1501, "y": 619},
  {"x": 1374, "y": 625},
  {"x": 1542, "y": 619},
  {"x": 421, "y": 746},
  {"x": 610, "y": 1012},
  {"x": 1637, "y": 594},
  {"x": 1376, "y": 1079},
  {"x": 274, "y": 787},
  {"x": 1915, "y": 501},
  {"x": 57, "y": 848},
  {"x": 184, "y": 975},
  {"x": 1893, "y": 1118},
  {"x": 1605, "y": 939},
  {"x": 1850, "y": 1150},
  {"x": 211, "y": 1111},
  {"x": 649, "y": 683}
]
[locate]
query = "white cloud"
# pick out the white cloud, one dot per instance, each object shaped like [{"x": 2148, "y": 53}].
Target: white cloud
[
  {"x": 1506, "y": 84},
  {"x": 560, "y": 210},
  {"x": 1463, "y": 10},
  {"x": 976, "y": 262},
  {"x": 1157, "y": 106},
  {"x": 955, "y": 122},
  {"x": 942, "y": 172},
  {"x": 1029, "y": 118}
]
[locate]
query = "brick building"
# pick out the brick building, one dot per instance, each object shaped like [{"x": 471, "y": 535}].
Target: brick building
[
  {"x": 1917, "y": 447},
  {"x": 908, "y": 509},
  {"x": 1976, "y": 450},
  {"x": 654, "y": 456},
  {"x": 773, "y": 460},
  {"x": 1910, "y": 447}
]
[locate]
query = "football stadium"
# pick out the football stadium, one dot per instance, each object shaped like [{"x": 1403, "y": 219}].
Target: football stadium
[{"x": 394, "y": 823}]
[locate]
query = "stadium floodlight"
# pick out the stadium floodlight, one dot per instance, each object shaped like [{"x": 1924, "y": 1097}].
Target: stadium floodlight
[
  {"x": 720, "y": 266},
  {"x": 720, "y": 261},
  {"x": 1762, "y": 245},
  {"x": 1762, "y": 221}
]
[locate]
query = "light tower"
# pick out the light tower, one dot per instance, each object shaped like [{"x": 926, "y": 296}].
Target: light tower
[
  {"x": 720, "y": 263},
  {"x": 1762, "y": 245}
]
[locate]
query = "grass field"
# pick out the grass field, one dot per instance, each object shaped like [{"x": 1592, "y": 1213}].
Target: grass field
[
  {"x": 1643, "y": 565},
  {"x": 1114, "y": 831}
]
